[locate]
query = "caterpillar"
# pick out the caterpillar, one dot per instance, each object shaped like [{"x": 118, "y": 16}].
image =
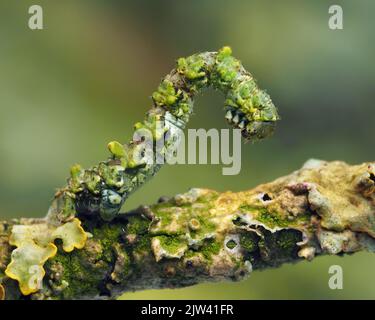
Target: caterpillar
[{"x": 104, "y": 188}]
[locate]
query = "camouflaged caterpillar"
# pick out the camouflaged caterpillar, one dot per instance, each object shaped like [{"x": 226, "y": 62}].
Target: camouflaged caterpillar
[{"x": 104, "y": 188}]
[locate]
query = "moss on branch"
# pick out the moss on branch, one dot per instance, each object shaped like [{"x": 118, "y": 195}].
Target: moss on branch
[{"x": 204, "y": 235}]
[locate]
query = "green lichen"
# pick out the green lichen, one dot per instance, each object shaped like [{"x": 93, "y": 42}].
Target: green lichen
[{"x": 153, "y": 124}]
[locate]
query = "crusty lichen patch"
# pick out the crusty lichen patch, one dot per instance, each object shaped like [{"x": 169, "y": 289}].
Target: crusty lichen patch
[
  {"x": 35, "y": 245},
  {"x": 202, "y": 228},
  {"x": 330, "y": 201},
  {"x": 318, "y": 209}
]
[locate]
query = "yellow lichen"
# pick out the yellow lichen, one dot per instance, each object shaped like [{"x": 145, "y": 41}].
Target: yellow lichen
[
  {"x": 35, "y": 245},
  {"x": 72, "y": 235},
  {"x": 27, "y": 265}
]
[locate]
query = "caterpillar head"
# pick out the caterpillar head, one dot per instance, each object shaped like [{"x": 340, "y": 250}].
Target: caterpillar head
[
  {"x": 250, "y": 109},
  {"x": 251, "y": 130}
]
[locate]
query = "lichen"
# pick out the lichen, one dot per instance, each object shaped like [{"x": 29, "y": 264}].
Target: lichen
[
  {"x": 203, "y": 235},
  {"x": 27, "y": 265},
  {"x": 35, "y": 245}
]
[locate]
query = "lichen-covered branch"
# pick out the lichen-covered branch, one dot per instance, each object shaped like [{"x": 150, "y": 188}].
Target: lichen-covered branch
[{"x": 204, "y": 235}]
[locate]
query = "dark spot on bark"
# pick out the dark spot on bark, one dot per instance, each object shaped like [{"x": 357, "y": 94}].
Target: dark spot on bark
[
  {"x": 239, "y": 222},
  {"x": 266, "y": 197}
]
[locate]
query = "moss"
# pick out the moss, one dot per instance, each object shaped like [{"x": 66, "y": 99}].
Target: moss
[
  {"x": 205, "y": 228},
  {"x": 83, "y": 278},
  {"x": 122, "y": 265},
  {"x": 212, "y": 247},
  {"x": 272, "y": 219},
  {"x": 190, "y": 253},
  {"x": 249, "y": 241},
  {"x": 163, "y": 213},
  {"x": 231, "y": 244},
  {"x": 142, "y": 244},
  {"x": 280, "y": 246},
  {"x": 172, "y": 244},
  {"x": 287, "y": 239},
  {"x": 107, "y": 234},
  {"x": 209, "y": 198},
  {"x": 137, "y": 225}
]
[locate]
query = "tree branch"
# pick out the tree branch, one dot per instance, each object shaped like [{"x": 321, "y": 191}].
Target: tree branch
[{"x": 204, "y": 235}]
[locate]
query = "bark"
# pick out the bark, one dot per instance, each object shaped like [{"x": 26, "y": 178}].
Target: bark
[{"x": 204, "y": 235}]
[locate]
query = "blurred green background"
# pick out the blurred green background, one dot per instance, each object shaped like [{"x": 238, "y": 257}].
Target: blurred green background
[{"x": 86, "y": 78}]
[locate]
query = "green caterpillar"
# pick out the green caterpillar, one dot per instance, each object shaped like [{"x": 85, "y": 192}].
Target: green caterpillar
[{"x": 104, "y": 188}]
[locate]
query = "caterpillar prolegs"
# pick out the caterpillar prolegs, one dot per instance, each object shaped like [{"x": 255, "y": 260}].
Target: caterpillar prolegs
[{"x": 104, "y": 188}]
